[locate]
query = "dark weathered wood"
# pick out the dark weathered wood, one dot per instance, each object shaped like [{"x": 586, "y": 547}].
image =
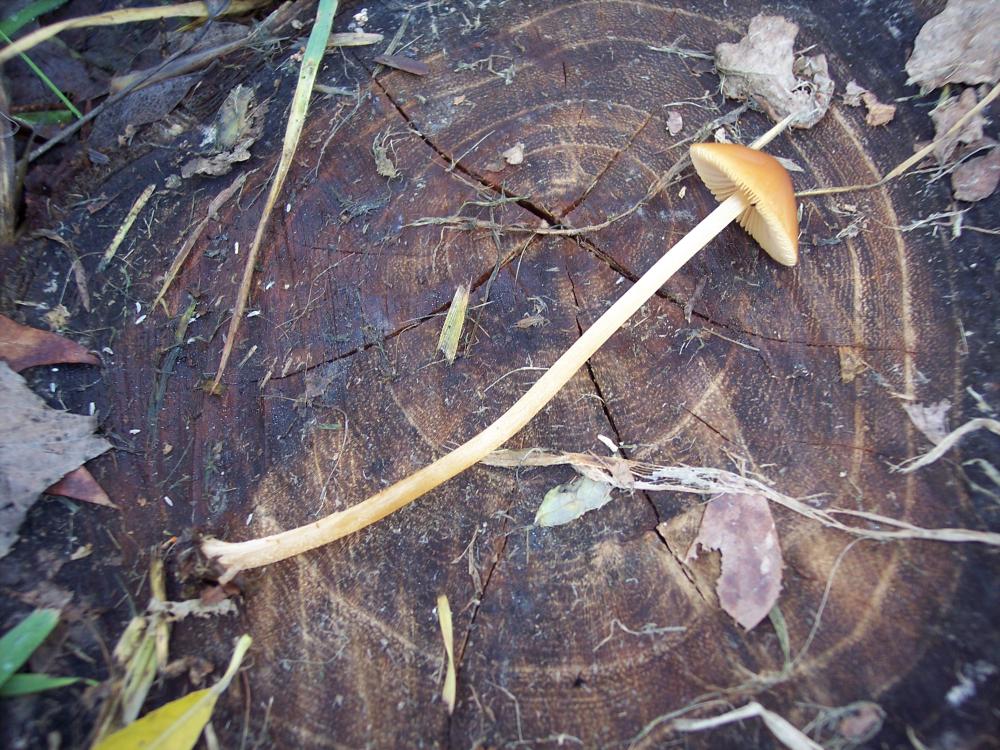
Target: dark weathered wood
[{"x": 346, "y": 640}]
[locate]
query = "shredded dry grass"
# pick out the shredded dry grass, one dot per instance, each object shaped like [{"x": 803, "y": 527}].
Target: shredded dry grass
[{"x": 702, "y": 480}]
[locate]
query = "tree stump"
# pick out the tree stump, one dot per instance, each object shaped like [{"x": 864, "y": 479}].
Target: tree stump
[{"x": 336, "y": 389}]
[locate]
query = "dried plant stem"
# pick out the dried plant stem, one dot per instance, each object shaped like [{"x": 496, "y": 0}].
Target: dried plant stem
[
  {"x": 311, "y": 60},
  {"x": 125, "y": 15},
  {"x": 217, "y": 202}
]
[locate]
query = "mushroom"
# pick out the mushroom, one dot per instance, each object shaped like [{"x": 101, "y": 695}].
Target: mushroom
[{"x": 753, "y": 188}]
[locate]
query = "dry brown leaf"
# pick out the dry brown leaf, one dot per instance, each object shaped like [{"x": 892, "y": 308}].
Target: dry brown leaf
[
  {"x": 237, "y": 126},
  {"x": 38, "y": 445},
  {"x": 674, "y": 122},
  {"x": 22, "y": 347},
  {"x": 959, "y": 45},
  {"x": 977, "y": 178},
  {"x": 80, "y": 484},
  {"x": 514, "y": 155},
  {"x": 949, "y": 112},
  {"x": 404, "y": 63},
  {"x": 852, "y": 94},
  {"x": 139, "y": 108},
  {"x": 931, "y": 420},
  {"x": 878, "y": 113},
  {"x": 741, "y": 527},
  {"x": 762, "y": 67}
]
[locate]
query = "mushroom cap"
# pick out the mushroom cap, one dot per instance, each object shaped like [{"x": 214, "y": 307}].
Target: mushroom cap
[{"x": 772, "y": 216}]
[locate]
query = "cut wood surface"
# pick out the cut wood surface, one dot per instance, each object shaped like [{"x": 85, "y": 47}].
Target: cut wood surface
[{"x": 336, "y": 388}]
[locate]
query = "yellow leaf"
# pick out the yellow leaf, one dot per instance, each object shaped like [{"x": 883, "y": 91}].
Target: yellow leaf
[{"x": 178, "y": 724}]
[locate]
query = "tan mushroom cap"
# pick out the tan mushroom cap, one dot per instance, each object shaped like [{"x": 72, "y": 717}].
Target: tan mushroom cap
[{"x": 772, "y": 217}]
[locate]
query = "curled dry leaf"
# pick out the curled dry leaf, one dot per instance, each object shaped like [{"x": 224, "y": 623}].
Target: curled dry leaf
[
  {"x": 977, "y": 178},
  {"x": 514, "y": 155},
  {"x": 22, "y": 347},
  {"x": 949, "y": 112},
  {"x": 852, "y": 94},
  {"x": 762, "y": 67},
  {"x": 878, "y": 113},
  {"x": 38, "y": 445},
  {"x": 236, "y": 127},
  {"x": 959, "y": 45},
  {"x": 674, "y": 122},
  {"x": 741, "y": 527}
]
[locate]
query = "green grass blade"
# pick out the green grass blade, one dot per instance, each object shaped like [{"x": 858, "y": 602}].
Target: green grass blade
[
  {"x": 10, "y": 26},
  {"x": 46, "y": 80},
  {"x": 20, "y": 643},
  {"x": 26, "y": 684},
  {"x": 46, "y": 117}
]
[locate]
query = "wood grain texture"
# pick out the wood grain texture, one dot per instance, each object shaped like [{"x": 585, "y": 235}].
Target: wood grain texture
[{"x": 350, "y": 298}]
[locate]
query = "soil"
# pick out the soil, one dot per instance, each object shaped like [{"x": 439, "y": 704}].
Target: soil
[{"x": 335, "y": 389}]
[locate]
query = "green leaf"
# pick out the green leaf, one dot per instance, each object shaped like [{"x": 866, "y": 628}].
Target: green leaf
[
  {"x": 20, "y": 643},
  {"x": 12, "y": 24},
  {"x": 25, "y": 684},
  {"x": 178, "y": 724}
]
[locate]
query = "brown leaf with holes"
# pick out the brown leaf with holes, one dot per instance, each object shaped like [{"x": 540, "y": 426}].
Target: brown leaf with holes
[
  {"x": 949, "y": 112},
  {"x": 22, "y": 347},
  {"x": 741, "y": 527},
  {"x": 762, "y": 67},
  {"x": 959, "y": 45},
  {"x": 977, "y": 178},
  {"x": 38, "y": 445}
]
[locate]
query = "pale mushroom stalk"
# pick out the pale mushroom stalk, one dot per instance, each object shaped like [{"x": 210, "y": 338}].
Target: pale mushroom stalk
[{"x": 753, "y": 188}]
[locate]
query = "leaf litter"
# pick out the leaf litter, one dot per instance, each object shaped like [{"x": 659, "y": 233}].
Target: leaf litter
[
  {"x": 236, "y": 127},
  {"x": 741, "y": 527},
  {"x": 762, "y": 68},
  {"x": 959, "y": 45},
  {"x": 977, "y": 179},
  {"x": 22, "y": 347},
  {"x": 38, "y": 446}
]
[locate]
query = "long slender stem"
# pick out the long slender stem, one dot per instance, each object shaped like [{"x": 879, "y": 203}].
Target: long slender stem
[{"x": 243, "y": 555}]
